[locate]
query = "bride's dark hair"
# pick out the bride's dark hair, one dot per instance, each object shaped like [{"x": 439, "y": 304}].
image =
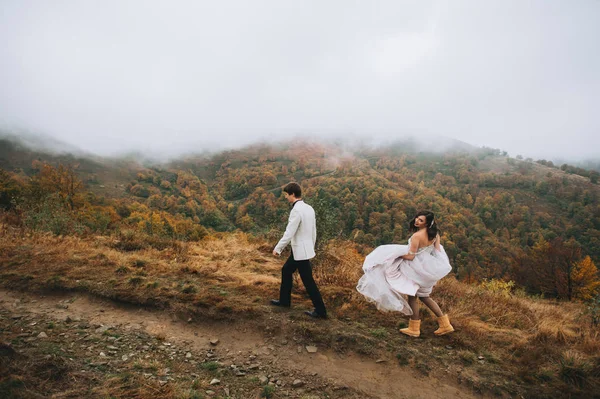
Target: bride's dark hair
[{"x": 432, "y": 229}]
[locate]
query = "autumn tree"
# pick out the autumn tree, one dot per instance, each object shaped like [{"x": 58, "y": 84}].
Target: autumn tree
[
  {"x": 585, "y": 279},
  {"x": 548, "y": 268},
  {"x": 61, "y": 180},
  {"x": 10, "y": 190}
]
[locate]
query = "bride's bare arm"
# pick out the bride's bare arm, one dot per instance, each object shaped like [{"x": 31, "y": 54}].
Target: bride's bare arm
[
  {"x": 437, "y": 242},
  {"x": 412, "y": 250}
]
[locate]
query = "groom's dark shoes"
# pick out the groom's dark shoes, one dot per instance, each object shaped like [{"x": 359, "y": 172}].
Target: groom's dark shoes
[
  {"x": 277, "y": 302},
  {"x": 315, "y": 315}
]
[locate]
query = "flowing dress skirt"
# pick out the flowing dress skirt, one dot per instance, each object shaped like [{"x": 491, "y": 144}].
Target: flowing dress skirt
[{"x": 388, "y": 277}]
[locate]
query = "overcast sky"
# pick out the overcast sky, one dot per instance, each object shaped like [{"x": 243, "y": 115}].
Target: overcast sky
[{"x": 165, "y": 76}]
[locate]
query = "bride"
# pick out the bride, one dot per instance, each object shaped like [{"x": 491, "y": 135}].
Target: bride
[{"x": 412, "y": 270}]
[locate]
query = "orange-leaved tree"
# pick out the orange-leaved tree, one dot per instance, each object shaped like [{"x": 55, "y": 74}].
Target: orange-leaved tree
[
  {"x": 61, "y": 180},
  {"x": 585, "y": 278}
]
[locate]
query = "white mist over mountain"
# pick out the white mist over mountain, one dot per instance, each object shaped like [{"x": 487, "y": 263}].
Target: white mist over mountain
[{"x": 161, "y": 78}]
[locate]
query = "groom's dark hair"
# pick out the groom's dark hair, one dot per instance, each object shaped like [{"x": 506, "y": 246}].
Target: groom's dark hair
[{"x": 293, "y": 188}]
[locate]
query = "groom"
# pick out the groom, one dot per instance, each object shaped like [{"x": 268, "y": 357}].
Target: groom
[{"x": 302, "y": 232}]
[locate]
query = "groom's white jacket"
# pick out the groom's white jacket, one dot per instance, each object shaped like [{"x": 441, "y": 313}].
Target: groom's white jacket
[{"x": 301, "y": 231}]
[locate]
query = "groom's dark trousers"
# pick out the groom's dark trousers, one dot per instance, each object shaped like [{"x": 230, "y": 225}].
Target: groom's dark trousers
[{"x": 305, "y": 270}]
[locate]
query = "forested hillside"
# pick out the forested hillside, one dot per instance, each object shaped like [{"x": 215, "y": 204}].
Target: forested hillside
[{"x": 501, "y": 217}]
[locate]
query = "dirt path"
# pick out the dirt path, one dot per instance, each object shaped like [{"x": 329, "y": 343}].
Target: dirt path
[{"x": 384, "y": 380}]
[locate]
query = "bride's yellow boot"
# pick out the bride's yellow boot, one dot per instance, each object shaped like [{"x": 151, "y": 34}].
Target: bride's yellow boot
[
  {"x": 414, "y": 328},
  {"x": 445, "y": 326}
]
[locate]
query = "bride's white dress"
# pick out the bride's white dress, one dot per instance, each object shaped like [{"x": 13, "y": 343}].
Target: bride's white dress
[{"x": 387, "y": 276}]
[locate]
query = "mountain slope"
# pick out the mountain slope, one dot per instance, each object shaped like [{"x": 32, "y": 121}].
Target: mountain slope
[{"x": 492, "y": 209}]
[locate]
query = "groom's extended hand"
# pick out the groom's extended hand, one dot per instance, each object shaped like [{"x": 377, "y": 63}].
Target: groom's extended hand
[{"x": 275, "y": 253}]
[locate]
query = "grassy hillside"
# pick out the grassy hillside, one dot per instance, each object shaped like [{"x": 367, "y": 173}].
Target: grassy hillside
[{"x": 506, "y": 344}]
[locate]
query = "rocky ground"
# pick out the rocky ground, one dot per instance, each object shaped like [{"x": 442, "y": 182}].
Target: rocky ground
[{"x": 73, "y": 346}]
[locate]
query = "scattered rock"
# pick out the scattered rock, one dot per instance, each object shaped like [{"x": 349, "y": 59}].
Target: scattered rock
[
  {"x": 6, "y": 350},
  {"x": 214, "y": 341},
  {"x": 133, "y": 326},
  {"x": 311, "y": 349},
  {"x": 210, "y": 393},
  {"x": 188, "y": 355},
  {"x": 380, "y": 361},
  {"x": 263, "y": 379},
  {"x": 102, "y": 329},
  {"x": 215, "y": 381},
  {"x": 42, "y": 335},
  {"x": 297, "y": 384},
  {"x": 340, "y": 387}
]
